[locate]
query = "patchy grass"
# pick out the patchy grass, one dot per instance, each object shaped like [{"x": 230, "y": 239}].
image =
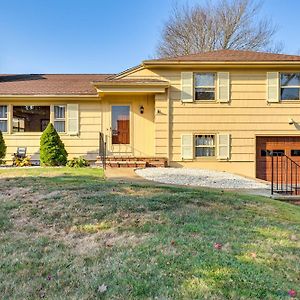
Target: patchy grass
[{"x": 68, "y": 233}]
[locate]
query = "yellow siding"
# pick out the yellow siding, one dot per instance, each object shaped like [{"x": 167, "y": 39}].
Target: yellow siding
[
  {"x": 94, "y": 117},
  {"x": 85, "y": 144},
  {"x": 247, "y": 114}
]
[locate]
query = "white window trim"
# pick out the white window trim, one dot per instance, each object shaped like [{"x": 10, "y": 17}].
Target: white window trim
[
  {"x": 6, "y": 119},
  {"x": 288, "y": 86},
  {"x": 60, "y": 119},
  {"x": 205, "y": 87}
]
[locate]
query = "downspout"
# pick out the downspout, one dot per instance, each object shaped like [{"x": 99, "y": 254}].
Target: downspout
[{"x": 168, "y": 127}]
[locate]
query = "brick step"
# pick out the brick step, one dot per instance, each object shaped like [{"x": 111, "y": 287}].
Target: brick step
[
  {"x": 126, "y": 164},
  {"x": 131, "y": 161},
  {"x": 133, "y": 158}
]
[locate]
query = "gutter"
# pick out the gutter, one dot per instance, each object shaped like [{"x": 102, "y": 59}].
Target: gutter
[
  {"x": 221, "y": 63},
  {"x": 48, "y": 96}
]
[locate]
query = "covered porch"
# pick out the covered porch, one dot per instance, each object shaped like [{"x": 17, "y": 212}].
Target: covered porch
[{"x": 129, "y": 116}]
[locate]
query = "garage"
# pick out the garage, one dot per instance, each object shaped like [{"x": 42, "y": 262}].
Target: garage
[{"x": 279, "y": 145}]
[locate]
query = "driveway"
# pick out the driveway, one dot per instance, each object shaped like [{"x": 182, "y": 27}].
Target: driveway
[{"x": 201, "y": 178}]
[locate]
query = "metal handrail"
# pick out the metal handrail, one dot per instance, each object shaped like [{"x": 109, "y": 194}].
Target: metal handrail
[
  {"x": 102, "y": 149},
  {"x": 284, "y": 176}
]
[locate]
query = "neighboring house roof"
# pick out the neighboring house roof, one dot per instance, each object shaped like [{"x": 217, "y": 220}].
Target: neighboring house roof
[
  {"x": 49, "y": 84},
  {"x": 229, "y": 56}
]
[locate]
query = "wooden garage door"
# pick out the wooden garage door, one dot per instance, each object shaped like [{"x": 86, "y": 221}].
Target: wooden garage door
[{"x": 289, "y": 146}]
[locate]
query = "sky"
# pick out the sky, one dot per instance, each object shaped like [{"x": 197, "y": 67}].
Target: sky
[{"x": 102, "y": 36}]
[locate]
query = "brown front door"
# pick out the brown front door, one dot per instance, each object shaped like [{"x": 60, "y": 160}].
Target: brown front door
[
  {"x": 121, "y": 124},
  {"x": 288, "y": 145}
]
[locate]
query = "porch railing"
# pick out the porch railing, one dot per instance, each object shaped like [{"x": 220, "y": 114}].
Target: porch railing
[{"x": 285, "y": 176}]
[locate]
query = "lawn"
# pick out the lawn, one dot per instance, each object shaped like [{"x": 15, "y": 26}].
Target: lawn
[{"x": 70, "y": 234}]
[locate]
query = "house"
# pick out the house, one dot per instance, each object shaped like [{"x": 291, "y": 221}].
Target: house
[{"x": 223, "y": 110}]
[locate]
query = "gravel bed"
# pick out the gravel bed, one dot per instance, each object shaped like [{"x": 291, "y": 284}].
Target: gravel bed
[{"x": 200, "y": 177}]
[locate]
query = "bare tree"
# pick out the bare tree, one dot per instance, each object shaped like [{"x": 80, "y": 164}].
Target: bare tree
[{"x": 229, "y": 24}]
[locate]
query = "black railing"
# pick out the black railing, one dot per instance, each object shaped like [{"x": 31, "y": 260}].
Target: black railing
[
  {"x": 285, "y": 176},
  {"x": 102, "y": 149}
]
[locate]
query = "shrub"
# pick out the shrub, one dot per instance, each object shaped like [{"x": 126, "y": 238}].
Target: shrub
[
  {"x": 22, "y": 161},
  {"x": 52, "y": 149},
  {"x": 78, "y": 162},
  {"x": 2, "y": 148}
]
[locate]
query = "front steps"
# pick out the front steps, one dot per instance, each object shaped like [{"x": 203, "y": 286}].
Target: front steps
[{"x": 133, "y": 162}]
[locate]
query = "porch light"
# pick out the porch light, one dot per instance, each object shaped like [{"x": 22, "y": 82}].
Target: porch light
[
  {"x": 142, "y": 109},
  {"x": 291, "y": 121}
]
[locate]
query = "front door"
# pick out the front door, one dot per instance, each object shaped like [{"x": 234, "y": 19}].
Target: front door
[{"x": 120, "y": 125}]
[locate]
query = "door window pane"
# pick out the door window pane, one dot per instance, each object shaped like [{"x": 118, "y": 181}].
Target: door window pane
[{"x": 120, "y": 124}]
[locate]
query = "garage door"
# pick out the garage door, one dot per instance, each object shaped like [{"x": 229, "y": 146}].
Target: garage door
[{"x": 289, "y": 146}]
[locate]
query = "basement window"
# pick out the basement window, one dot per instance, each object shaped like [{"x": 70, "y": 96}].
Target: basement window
[
  {"x": 290, "y": 86},
  {"x": 30, "y": 118}
]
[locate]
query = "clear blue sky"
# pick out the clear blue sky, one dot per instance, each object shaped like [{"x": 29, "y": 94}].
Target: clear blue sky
[{"x": 100, "y": 36}]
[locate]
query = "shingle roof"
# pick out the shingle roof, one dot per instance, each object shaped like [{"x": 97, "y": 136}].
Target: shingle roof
[
  {"x": 49, "y": 84},
  {"x": 125, "y": 81},
  {"x": 230, "y": 56}
]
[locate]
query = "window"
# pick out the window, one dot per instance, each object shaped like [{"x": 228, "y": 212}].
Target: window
[
  {"x": 30, "y": 118},
  {"x": 295, "y": 152},
  {"x": 272, "y": 152},
  {"x": 205, "y": 86},
  {"x": 3, "y": 118},
  {"x": 290, "y": 86},
  {"x": 204, "y": 145},
  {"x": 120, "y": 124},
  {"x": 18, "y": 124},
  {"x": 60, "y": 118}
]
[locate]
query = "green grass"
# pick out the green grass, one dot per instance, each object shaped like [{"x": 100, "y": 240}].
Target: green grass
[{"x": 65, "y": 232}]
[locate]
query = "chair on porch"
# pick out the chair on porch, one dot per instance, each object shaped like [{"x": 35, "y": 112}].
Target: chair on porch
[{"x": 20, "y": 154}]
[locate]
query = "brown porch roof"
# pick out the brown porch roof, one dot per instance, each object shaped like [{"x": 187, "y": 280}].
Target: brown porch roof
[{"x": 49, "y": 84}]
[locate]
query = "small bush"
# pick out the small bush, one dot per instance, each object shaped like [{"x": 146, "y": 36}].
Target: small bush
[
  {"x": 2, "y": 148},
  {"x": 22, "y": 161},
  {"x": 78, "y": 162},
  {"x": 52, "y": 149}
]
